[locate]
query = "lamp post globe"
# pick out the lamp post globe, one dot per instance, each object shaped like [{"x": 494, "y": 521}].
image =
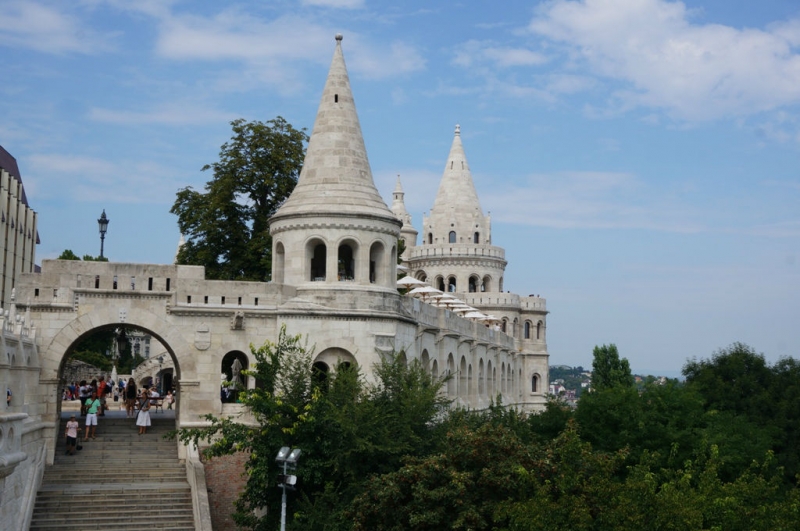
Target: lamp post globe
[{"x": 102, "y": 225}]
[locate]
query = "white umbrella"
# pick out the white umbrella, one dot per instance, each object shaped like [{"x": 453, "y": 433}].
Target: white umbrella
[
  {"x": 474, "y": 315},
  {"x": 402, "y": 268},
  {"x": 424, "y": 291},
  {"x": 463, "y": 309},
  {"x": 409, "y": 281}
]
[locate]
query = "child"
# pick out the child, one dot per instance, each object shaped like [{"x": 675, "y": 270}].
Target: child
[
  {"x": 72, "y": 435},
  {"x": 143, "y": 420}
]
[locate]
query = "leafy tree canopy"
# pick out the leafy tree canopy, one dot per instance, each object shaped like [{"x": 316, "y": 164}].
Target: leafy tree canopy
[
  {"x": 69, "y": 255},
  {"x": 227, "y": 226},
  {"x": 608, "y": 370},
  {"x": 348, "y": 430}
]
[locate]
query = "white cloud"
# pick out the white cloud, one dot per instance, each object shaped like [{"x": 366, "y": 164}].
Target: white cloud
[
  {"x": 474, "y": 53},
  {"x": 29, "y": 24},
  {"x": 377, "y": 62},
  {"x": 87, "y": 179},
  {"x": 170, "y": 115},
  {"x": 664, "y": 60},
  {"x": 583, "y": 199},
  {"x": 273, "y": 49}
]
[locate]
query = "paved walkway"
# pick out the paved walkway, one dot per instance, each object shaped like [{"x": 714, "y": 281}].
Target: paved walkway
[{"x": 116, "y": 410}]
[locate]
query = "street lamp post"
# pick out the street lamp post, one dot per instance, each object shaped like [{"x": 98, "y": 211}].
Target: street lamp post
[
  {"x": 102, "y": 224},
  {"x": 288, "y": 457}
]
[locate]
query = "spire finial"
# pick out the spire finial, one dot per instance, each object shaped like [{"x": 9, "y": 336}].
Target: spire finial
[
  {"x": 458, "y": 130},
  {"x": 339, "y": 37}
]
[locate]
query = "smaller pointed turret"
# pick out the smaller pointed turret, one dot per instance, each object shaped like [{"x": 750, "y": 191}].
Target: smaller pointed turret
[
  {"x": 456, "y": 216},
  {"x": 407, "y": 233}
]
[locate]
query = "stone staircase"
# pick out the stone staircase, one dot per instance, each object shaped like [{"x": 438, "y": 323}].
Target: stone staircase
[{"x": 119, "y": 479}]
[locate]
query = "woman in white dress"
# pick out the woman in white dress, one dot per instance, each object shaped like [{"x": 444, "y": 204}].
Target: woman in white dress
[{"x": 143, "y": 419}]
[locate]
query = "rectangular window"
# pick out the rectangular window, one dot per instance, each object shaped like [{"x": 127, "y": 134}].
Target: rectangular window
[
  {"x": 188, "y": 299},
  {"x": 36, "y": 292},
  {"x": 167, "y": 284},
  {"x": 256, "y": 301},
  {"x": 133, "y": 282},
  {"x": 240, "y": 301},
  {"x": 97, "y": 282},
  {"x": 205, "y": 299},
  {"x": 115, "y": 281},
  {"x": 55, "y": 292},
  {"x": 150, "y": 284},
  {"x": 223, "y": 300}
]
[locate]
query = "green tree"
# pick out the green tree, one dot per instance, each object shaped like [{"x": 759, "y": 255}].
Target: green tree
[
  {"x": 347, "y": 428},
  {"x": 227, "y": 226},
  {"x": 68, "y": 255},
  {"x": 608, "y": 370}
]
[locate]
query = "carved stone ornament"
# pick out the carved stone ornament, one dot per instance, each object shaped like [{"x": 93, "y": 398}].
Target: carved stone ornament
[
  {"x": 237, "y": 321},
  {"x": 202, "y": 337}
]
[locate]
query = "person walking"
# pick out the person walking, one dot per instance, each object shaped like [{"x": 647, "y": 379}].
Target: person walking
[
  {"x": 130, "y": 398},
  {"x": 72, "y": 435},
  {"x": 85, "y": 392},
  {"x": 143, "y": 419},
  {"x": 92, "y": 406}
]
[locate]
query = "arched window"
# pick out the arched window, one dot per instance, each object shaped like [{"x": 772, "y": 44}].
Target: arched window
[
  {"x": 462, "y": 376},
  {"x": 452, "y": 236},
  {"x": 490, "y": 376},
  {"x": 376, "y": 267},
  {"x": 451, "y": 370},
  {"x": 435, "y": 369},
  {"x": 318, "y": 258},
  {"x": 535, "y": 383},
  {"x": 424, "y": 359},
  {"x": 279, "y": 263},
  {"x": 440, "y": 283},
  {"x": 487, "y": 284},
  {"x": 514, "y": 327},
  {"x": 527, "y": 329},
  {"x": 233, "y": 363},
  {"x": 481, "y": 384},
  {"x": 501, "y": 285},
  {"x": 473, "y": 284},
  {"x": 504, "y": 325},
  {"x": 319, "y": 375},
  {"x": 346, "y": 263},
  {"x": 451, "y": 284},
  {"x": 539, "y": 330},
  {"x": 430, "y": 237},
  {"x": 476, "y": 238}
]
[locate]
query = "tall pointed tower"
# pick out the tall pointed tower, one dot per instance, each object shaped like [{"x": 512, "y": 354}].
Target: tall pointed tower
[
  {"x": 456, "y": 253},
  {"x": 334, "y": 231}
]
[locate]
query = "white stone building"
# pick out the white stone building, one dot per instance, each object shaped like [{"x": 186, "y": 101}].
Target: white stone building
[{"x": 334, "y": 273}]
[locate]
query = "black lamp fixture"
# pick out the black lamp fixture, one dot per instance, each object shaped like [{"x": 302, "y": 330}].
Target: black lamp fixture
[{"x": 102, "y": 224}]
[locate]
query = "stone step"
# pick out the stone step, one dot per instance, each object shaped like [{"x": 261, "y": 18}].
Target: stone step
[{"x": 119, "y": 479}]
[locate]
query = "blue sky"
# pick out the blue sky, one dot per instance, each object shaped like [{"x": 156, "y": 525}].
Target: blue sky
[{"x": 639, "y": 157}]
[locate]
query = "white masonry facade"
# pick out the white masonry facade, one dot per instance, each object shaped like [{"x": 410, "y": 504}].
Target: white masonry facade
[{"x": 335, "y": 265}]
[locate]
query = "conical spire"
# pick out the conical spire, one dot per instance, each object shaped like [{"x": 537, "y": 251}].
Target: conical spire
[
  {"x": 457, "y": 195},
  {"x": 336, "y": 178}
]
